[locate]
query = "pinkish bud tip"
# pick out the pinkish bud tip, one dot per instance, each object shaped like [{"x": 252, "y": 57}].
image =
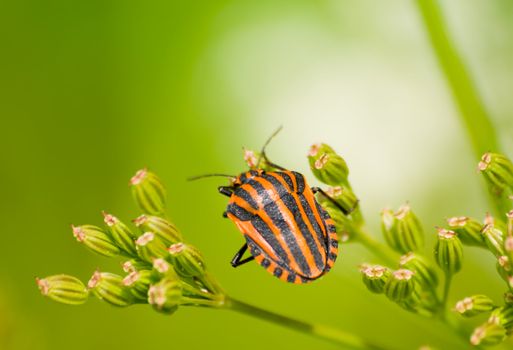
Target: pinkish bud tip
[
  {"x": 321, "y": 162},
  {"x": 138, "y": 177},
  {"x": 110, "y": 220},
  {"x": 140, "y": 220},
  {"x": 43, "y": 285},
  {"x": 94, "y": 280},
  {"x": 176, "y": 248},
  {"x": 78, "y": 232},
  {"x": 314, "y": 149},
  {"x": 145, "y": 239}
]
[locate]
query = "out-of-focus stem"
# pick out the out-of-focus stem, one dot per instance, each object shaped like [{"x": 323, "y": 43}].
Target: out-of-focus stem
[
  {"x": 473, "y": 113},
  {"x": 381, "y": 250},
  {"x": 333, "y": 335}
]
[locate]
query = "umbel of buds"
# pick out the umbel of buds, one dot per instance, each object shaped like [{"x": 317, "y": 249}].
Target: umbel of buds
[
  {"x": 497, "y": 170},
  {"x": 63, "y": 289},
  {"x": 448, "y": 251},
  {"x": 474, "y": 305},
  {"x": 375, "y": 277},
  {"x": 327, "y": 166},
  {"x": 402, "y": 230},
  {"x": 148, "y": 192},
  {"x": 162, "y": 270},
  {"x": 468, "y": 230}
]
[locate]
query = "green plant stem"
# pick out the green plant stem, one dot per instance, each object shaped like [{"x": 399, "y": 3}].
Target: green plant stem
[
  {"x": 382, "y": 251},
  {"x": 445, "y": 295},
  {"x": 333, "y": 335},
  {"x": 466, "y": 97}
]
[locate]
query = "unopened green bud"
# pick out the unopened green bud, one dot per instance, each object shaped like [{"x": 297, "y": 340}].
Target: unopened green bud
[
  {"x": 165, "y": 230},
  {"x": 95, "y": 239},
  {"x": 254, "y": 160},
  {"x": 166, "y": 295},
  {"x": 468, "y": 230},
  {"x": 135, "y": 265},
  {"x": 448, "y": 251},
  {"x": 110, "y": 288},
  {"x": 148, "y": 192},
  {"x": 474, "y": 305},
  {"x": 139, "y": 283},
  {"x": 400, "y": 285},
  {"x": 402, "y": 230},
  {"x": 425, "y": 273},
  {"x": 345, "y": 227},
  {"x": 120, "y": 233},
  {"x": 63, "y": 289},
  {"x": 327, "y": 166},
  {"x": 343, "y": 195},
  {"x": 504, "y": 267},
  {"x": 508, "y": 298},
  {"x": 149, "y": 247},
  {"x": 494, "y": 239},
  {"x": 488, "y": 334},
  {"x": 187, "y": 259},
  {"x": 375, "y": 277},
  {"x": 503, "y": 316},
  {"x": 497, "y": 170}
]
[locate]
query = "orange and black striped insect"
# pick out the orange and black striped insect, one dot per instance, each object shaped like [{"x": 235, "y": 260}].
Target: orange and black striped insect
[{"x": 285, "y": 228}]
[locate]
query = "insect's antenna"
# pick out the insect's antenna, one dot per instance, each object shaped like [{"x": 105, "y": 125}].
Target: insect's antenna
[
  {"x": 193, "y": 178},
  {"x": 262, "y": 152}
]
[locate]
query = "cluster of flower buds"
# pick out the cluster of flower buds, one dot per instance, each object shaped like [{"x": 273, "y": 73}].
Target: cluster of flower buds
[
  {"x": 161, "y": 269},
  {"x": 497, "y": 327},
  {"x": 338, "y": 199}
]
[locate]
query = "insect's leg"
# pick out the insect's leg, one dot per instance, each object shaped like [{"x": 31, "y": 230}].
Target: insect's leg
[
  {"x": 271, "y": 163},
  {"x": 226, "y": 190},
  {"x": 237, "y": 259},
  {"x": 318, "y": 189}
]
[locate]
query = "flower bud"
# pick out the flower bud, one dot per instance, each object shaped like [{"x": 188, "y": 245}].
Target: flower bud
[
  {"x": 327, "y": 166},
  {"x": 120, "y": 233},
  {"x": 504, "y": 267},
  {"x": 166, "y": 295},
  {"x": 503, "y": 316},
  {"x": 474, "y": 305},
  {"x": 448, "y": 251},
  {"x": 187, "y": 259},
  {"x": 508, "y": 298},
  {"x": 163, "y": 229},
  {"x": 402, "y": 230},
  {"x": 494, "y": 239},
  {"x": 400, "y": 285},
  {"x": 63, "y": 289},
  {"x": 135, "y": 265},
  {"x": 345, "y": 227},
  {"x": 110, "y": 288},
  {"x": 343, "y": 195},
  {"x": 468, "y": 230},
  {"x": 149, "y": 247},
  {"x": 148, "y": 192},
  {"x": 488, "y": 334},
  {"x": 254, "y": 160},
  {"x": 96, "y": 240},
  {"x": 497, "y": 170},
  {"x": 375, "y": 277},
  {"x": 139, "y": 283},
  {"x": 425, "y": 273}
]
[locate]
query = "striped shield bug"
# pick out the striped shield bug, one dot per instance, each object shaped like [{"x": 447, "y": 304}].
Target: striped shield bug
[{"x": 286, "y": 230}]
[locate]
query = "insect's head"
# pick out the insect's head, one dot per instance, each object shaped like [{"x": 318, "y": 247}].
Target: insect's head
[{"x": 246, "y": 176}]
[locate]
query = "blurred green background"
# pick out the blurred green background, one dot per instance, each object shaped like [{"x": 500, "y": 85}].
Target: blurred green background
[{"x": 93, "y": 90}]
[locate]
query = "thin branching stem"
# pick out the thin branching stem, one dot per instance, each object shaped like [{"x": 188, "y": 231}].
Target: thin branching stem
[{"x": 333, "y": 335}]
